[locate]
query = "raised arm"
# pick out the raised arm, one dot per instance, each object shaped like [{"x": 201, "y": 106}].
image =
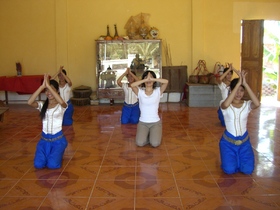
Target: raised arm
[
  {"x": 135, "y": 85},
  {"x": 119, "y": 81},
  {"x": 226, "y": 103},
  {"x": 163, "y": 86},
  {"x": 32, "y": 100},
  {"x": 255, "y": 100},
  {"x": 66, "y": 78},
  {"x": 220, "y": 79},
  {"x": 234, "y": 69},
  {"x": 57, "y": 73},
  {"x": 54, "y": 93},
  {"x": 164, "y": 83},
  {"x": 133, "y": 75},
  {"x": 63, "y": 75}
]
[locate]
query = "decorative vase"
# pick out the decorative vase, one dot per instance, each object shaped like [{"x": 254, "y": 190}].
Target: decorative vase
[
  {"x": 18, "y": 68},
  {"x": 108, "y": 36},
  {"x": 116, "y": 36}
]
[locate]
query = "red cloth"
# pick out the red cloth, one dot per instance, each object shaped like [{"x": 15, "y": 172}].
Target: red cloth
[{"x": 21, "y": 84}]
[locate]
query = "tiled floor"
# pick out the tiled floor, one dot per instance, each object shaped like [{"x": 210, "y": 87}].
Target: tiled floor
[{"x": 103, "y": 169}]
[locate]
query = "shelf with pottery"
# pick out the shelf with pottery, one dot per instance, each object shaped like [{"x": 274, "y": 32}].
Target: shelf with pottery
[{"x": 113, "y": 57}]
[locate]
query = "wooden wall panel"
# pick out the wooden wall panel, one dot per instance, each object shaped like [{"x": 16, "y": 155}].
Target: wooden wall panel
[{"x": 177, "y": 77}]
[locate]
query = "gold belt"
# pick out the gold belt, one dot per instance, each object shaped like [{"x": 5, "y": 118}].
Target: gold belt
[
  {"x": 235, "y": 142},
  {"x": 52, "y": 139}
]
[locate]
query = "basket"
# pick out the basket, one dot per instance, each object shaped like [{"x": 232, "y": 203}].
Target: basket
[
  {"x": 80, "y": 101},
  {"x": 193, "y": 78},
  {"x": 203, "y": 78},
  {"x": 82, "y": 92}
]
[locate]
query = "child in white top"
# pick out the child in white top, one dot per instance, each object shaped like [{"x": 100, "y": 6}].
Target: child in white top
[
  {"x": 149, "y": 128},
  {"x": 223, "y": 83},
  {"x": 130, "y": 109},
  {"x": 65, "y": 91},
  {"x": 235, "y": 148},
  {"x": 51, "y": 147}
]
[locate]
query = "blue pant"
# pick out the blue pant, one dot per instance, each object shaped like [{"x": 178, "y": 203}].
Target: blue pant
[
  {"x": 236, "y": 158},
  {"x": 50, "y": 153},
  {"x": 130, "y": 113},
  {"x": 221, "y": 117},
  {"x": 67, "y": 118}
]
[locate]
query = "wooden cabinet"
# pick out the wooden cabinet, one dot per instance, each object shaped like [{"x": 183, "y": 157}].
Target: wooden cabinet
[
  {"x": 113, "y": 57},
  {"x": 177, "y": 77},
  {"x": 202, "y": 95}
]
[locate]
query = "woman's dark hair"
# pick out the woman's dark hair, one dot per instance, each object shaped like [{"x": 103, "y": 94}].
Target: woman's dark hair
[
  {"x": 133, "y": 72},
  {"x": 53, "y": 83},
  {"x": 227, "y": 69},
  {"x": 145, "y": 74},
  {"x": 233, "y": 84}
]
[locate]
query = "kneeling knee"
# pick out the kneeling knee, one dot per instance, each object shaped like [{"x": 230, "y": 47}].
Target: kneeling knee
[
  {"x": 155, "y": 144},
  {"x": 140, "y": 144},
  {"x": 247, "y": 170},
  {"x": 229, "y": 170},
  {"x": 39, "y": 166},
  {"x": 53, "y": 165},
  {"x": 133, "y": 121}
]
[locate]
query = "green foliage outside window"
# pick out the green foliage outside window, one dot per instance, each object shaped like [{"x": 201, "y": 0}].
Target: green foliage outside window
[{"x": 271, "y": 52}]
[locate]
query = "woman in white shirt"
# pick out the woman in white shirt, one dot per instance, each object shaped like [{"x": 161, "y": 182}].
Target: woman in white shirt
[
  {"x": 235, "y": 148},
  {"x": 223, "y": 83},
  {"x": 149, "y": 128},
  {"x": 65, "y": 91},
  {"x": 51, "y": 147}
]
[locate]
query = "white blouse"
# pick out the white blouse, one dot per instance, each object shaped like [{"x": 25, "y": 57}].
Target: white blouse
[
  {"x": 224, "y": 90},
  {"x": 236, "y": 118},
  {"x": 65, "y": 92},
  {"x": 129, "y": 96},
  {"x": 149, "y": 105},
  {"x": 52, "y": 123}
]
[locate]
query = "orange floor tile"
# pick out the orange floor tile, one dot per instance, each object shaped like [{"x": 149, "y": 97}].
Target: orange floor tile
[{"x": 104, "y": 169}]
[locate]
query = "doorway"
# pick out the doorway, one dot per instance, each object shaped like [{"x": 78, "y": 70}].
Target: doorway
[{"x": 271, "y": 52}]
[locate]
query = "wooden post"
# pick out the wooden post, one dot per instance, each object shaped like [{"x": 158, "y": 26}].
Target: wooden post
[{"x": 278, "y": 85}]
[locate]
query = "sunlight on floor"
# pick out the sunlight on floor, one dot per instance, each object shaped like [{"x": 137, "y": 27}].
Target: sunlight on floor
[{"x": 270, "y": 101}]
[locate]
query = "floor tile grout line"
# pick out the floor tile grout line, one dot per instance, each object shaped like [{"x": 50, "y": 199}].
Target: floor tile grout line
[
  {"x": 172, "y": 170},
  {"x": 18, "y": 180},
  {"x": 175, "y": 180},
  {"x": 197, "y": 148},
  {"x": 98, "y": 173},
  {"x": 62, "y": 173}
]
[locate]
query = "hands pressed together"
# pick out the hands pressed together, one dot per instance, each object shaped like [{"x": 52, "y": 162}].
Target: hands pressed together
[
  {"x": 241, "y": 73},
  {"x": 149, "y": 77},
  {"x": 60, "y": 69},
  {"x": 242, "y": 77},
  {"x": 46, "y": 82}
]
